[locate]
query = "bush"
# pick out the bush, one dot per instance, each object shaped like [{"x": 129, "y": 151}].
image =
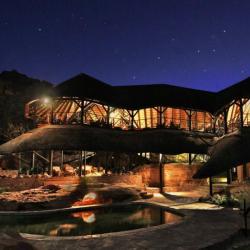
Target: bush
[{"x": 225, "y": 200}]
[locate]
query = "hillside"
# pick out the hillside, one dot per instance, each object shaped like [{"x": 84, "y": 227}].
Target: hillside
[{"x": 16, "y": 89}]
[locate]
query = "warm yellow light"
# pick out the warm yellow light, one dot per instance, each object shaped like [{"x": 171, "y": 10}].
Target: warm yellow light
[{"x": 46, "y": 100}]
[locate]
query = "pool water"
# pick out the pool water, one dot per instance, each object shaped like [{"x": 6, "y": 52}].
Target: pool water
[{"x": 97, "y": 221}]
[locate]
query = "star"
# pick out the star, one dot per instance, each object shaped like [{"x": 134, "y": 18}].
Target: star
[
  {"x": 213, "y": 50},
  {"x": 39, "y": 29},
  {"x": 204, "y": 70},
  {"x": 198, "y": 51},
  {"x": 134, "y": 77},
  {"x": 224, "y": 31},
  {"x": 242, "y": 71},
  {"x": 158, "y": 58}
]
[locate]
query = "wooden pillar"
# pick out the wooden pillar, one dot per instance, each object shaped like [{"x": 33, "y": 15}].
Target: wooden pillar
[
  {"x": 51, "y": 162},
  {"x": 132, "y": 119},
  {"x": 161, "y": 174},
  {"x": 225, "y": 121},
  {"x": 19, "y": 163},
  {"x": 84, "y": 173},
  {"x": 229, "y": 176},
  {"x": 160, "y": 111},
  {"x": 241, "y": 114},
  {"x": 190, "y": 120},
  {"x": 52, "y": 112},
  {"x": 108, "y": 115},
  {"x": 80, "y": 164},
  {"x": 62, "y": 159},
  {"x": 189, "y": 159},
  {"x": 82, "y": 112},
  {"x": 33, "y": 160},
  {"x": 210, "y": 186}
]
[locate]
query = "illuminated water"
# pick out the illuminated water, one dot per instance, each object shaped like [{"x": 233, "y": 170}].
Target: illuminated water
[{"x": 98, "y": 221}]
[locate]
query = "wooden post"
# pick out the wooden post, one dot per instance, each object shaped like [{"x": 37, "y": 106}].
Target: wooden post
[
  {"x": 52, "y": 112},
  {"x": 82, "y": 112},
  {"x": 132, "y": 119},
  {"x": 84, "y": 163},
  {"x": 190, "y": 120},
  {"x": 189, "y": 158},
  {"x": 225, "y": 121},
  {"x": 229, "y": 176},
  {"x": 51, "y": 162},
  {"x": 241, "y": 114},
  {"x": 19, "y": 163},
  {"x": 62, "y": 159},
  {"x": 210, "y": 186},
  {"x": 80, "y": 164},
  {"x": 161, "y": 174},
  {"x": 33, "y": 160},
  {"x": 108, "y": 115}
]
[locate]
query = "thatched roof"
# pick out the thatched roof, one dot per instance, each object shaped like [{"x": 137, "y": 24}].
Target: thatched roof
[
  {"x": 92, "y": 139},
  {"x": 229, "y": 151},
  {"x": 144, "y": 96},
  {"x": 136, "y": 96}
]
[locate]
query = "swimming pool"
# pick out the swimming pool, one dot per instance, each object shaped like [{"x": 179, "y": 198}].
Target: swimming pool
[{"x": 93, "y": 221}]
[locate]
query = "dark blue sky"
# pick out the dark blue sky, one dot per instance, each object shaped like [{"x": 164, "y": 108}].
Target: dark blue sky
[{"x": 202, "y": 44}]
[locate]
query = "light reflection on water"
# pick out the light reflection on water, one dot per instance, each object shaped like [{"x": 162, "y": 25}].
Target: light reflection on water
[{"x": 101, "y": 220}]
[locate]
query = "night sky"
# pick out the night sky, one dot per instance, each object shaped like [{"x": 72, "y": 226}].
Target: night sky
[{"x": 202, "y": 44}]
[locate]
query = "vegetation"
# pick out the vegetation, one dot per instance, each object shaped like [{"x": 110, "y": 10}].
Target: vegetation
[
  {"x": 15, "y": 91},
  {"x": 225, "y": 200}
]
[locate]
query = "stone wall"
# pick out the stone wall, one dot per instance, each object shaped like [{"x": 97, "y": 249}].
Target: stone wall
[
  {"x": 129, "y": 179},
  {"x": 150, "y": 174},
  {"x": 177, "y": 176},
  {"x": 19, "y": 184}
]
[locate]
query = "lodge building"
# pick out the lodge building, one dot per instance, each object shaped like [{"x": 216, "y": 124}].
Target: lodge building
[{"x": 185, "y": 124}]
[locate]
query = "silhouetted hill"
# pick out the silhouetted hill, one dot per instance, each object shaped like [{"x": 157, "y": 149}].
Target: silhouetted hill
[
  {"x": 16, "y": 90},
  {"x": 15, "y": 83}
]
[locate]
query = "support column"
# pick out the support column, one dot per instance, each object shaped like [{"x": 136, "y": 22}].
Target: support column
[
  {"x": 108, "y": 115},
  {"x": 132, "y": 119},
  {"x": 189, "y": 159},
  {"x": 51, "y": 162},
  {"x": 80, "y": 164},
  {"x": 225, "y": 121},
  {"x": 229, "y": 176},
  {"x": 210, "y": 186},
  {"x": 82, "y": 112},
  {"x": 62, "y": 159},
  {"x": 161, "y": 174},
  {"x": 189, "y": 120},
  {"x": 52, "y": 112},
  {"x": 33, "y": 160},
  {"x": 241, "y": 114},
  {"x": 84, "y": 163},
  {"x": 19, "y": 163}
]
